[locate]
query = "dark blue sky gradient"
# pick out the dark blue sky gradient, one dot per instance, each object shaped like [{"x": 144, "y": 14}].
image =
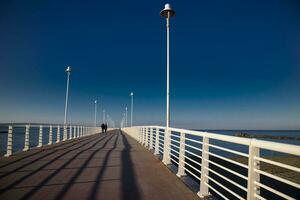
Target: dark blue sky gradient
[{"x": 234, "y": 64}]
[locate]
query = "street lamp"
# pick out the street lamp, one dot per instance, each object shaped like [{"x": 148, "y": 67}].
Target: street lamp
[
  {"x": 131, "y": 109},
  {"x": 126, "y": 114},
  {"x": 167, "y": 13},
  {"x": 68, "y": 70},
  {"x": 95, "y": 123},
  {"x": 103, "y": 117}
]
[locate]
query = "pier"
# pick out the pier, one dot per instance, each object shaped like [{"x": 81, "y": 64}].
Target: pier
[
  {"x": 99, "y": 166},
  {"x": 144, "y": 162}
]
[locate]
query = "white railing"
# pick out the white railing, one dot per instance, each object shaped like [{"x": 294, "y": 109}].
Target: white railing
[
  {"x": 63, "y": 133},
  {"x": 228, "y": 167}
]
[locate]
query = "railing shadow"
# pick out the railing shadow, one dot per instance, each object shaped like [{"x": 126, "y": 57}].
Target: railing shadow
[
  {"x": 67, "y": 186},
  {"x": 130, "y": 188},
  {"x": 18, "y": 181},
  {"x": 97, "y": 184},
  {"x": 52, "y": 150}
]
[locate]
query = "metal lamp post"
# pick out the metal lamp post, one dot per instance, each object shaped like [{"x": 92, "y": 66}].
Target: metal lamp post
[
  {"x": 95, "y": 122},
  {"x": 131, "y": 109},
  {"x": 167, "y": 13},
  {"x": 103, "y": 117},
  {"x": 68, "y": 70},
  {"x": 126, "y": 114}
]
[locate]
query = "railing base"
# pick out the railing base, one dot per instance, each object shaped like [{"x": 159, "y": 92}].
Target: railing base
[
  {"x": 204, "y": 197},
  {"x": 25, "y": 149},
  {"x": 180, "y": 175},
  {"x": 167, "y": 162}
]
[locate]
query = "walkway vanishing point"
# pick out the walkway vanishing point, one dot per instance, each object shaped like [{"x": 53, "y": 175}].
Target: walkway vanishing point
[{"x": 101, "y": 166}]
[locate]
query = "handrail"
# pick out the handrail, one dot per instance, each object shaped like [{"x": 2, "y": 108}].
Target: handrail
[
  {"x": 247, "y": 169},
  {"x": 63, "y": 133}
]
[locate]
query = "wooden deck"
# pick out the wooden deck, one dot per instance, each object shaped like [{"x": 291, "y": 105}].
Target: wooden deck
[{"x": 110, "y": 166}]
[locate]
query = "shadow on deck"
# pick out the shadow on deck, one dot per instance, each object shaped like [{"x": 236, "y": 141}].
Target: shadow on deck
[{"x": 110, "y": 166}]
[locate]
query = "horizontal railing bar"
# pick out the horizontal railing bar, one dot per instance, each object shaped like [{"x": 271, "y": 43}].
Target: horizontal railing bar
[
  {"x": 48, "y": 125},
  {"x": 276, "y": 146},
  {"x": 175, "y": 146},
  {"x": 228, "y": 170},
  {"x": 198, "y": 149},
  {"x": 274, "y": 191},
  {"x": 229, "y": 160},
  {"x": 216, "y": 191},
  {"x": 259, "y": 197},
  {"x": 162, "y": 144},
  {"x": 193, "y": 154},
  {"x": 192, "y": 167},
  {"x": 174, "y": 160},
  {"x": 192, "y": 140},
  {"x": 227, "y": 138},
  {"x": 227, "y": 179},
  {"x": 176, "y": 136},
  {"x": 174, "y": 155},
  {"x": 192, "y": 160},
  {"x": 198, "y": 178},
  {"x": 296, "y": 169},
  {"x": 225, "y": 188},
  {"x": 278, "y": 178},
  {"x": 175, "y": 141},
  {"x": 228, "y": 150}
]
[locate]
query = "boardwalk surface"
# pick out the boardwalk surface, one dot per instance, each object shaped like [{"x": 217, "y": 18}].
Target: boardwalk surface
[{"x": 111, "y": 166}]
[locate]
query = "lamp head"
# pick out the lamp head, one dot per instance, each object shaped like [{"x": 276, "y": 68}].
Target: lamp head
[
  {"x": 68, "y": 69},
  {"x": 131, "y": 94},
  {"x": 167, "y": 11}
]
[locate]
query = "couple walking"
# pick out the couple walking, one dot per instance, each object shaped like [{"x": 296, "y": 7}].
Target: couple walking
[{"x": 104, "y": 127}]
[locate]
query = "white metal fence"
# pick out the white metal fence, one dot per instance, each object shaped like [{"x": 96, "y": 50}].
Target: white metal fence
[
  {"x": 227, "y": 167},
  {"x": 43, "y": 134}
]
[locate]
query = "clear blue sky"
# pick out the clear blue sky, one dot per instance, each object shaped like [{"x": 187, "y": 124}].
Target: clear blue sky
[{"x": 234, "y": 64}]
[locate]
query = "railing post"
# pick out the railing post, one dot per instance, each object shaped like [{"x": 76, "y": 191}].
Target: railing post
[
  {"x": 65, "y": 133},
  {"x": 147, "y": 137},
  {"x": 166, "y": 156},
  {"x": 58, "y": 134},
  {"x": 75, "y": 132},
  {"x": 143, "y": 136},
  {"x": 80, "y": 131},
  {"x": 181, "y": 171},
  {"x": 9, "y": 141},
  {"x": 26, "y": 144},
  {"x": 151, "y": 139},
  {"x": 204, "y": 169},
  {"x": 50, "y": 135},
  {"x": 156, "y": 151},
  {"x": 252, "y": 175},
  {"x": 40, "y": 144},
  {"x": 71, "y": 133}
]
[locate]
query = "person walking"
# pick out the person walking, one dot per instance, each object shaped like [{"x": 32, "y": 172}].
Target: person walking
[{"x": 103, "y": 127}]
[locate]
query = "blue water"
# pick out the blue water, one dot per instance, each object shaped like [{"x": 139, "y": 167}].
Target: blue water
[{"x": 19, "y": 137}]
